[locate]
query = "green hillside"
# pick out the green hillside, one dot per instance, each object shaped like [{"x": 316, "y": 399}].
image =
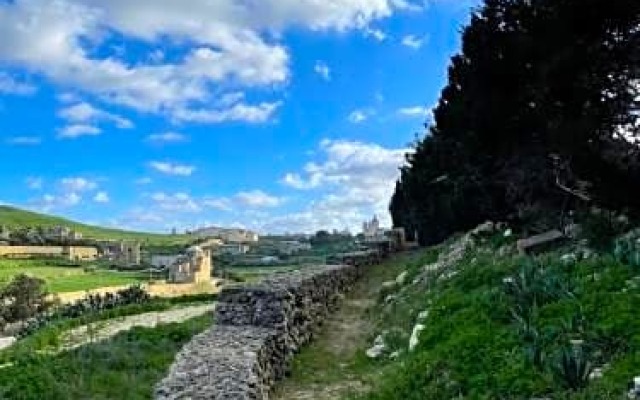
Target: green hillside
[{"x": 13, "y": 217}]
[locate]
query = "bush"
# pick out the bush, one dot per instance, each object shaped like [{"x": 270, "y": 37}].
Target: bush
[{"x": 23, "y": 298}]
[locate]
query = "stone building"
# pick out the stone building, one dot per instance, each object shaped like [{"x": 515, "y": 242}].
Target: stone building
[
  {"x": 121, "y": 252},
  {"x": 193, "y": 267},
  {"x": 372, "y": 228}
]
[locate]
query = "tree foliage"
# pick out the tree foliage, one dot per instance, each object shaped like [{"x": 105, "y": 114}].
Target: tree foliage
[{"x": 531, "y": 118}]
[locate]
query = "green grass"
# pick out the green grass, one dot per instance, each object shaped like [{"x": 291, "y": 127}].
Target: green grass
[
  {"x": 125, "y": 367},
  {"x": 472, "y": 346},
  {"x": 16, "y": 218},
  {"x": 49, "y": 338},
  {"x": 60, "y": 279}
]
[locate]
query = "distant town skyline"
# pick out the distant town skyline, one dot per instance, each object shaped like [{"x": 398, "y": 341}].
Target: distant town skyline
[{"x": 283, "y": 116}]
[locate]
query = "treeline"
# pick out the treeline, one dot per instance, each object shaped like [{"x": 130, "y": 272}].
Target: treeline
[{"x": 538, "y": 116}]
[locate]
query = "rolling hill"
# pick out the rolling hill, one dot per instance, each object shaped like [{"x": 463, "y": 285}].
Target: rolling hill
[{"x": 14, "y": 217}]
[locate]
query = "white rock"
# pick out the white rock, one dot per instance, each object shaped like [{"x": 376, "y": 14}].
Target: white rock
[
  {"x": 7, "y": 342},
  {"x": 414, "y": 340},
  {"x": 569, "y": 258},
  {"x": 394, "y": 355},
  {"x": 402, "y": 277},
  {"x": 378, "y": 348},
  {"x": 388, "y": 284},
  {"x": 597, "y": 373},
  {"x": 423, "y": 315},
  {"x": 507, "y": 233},
  {"x": 487, "y": 227}
]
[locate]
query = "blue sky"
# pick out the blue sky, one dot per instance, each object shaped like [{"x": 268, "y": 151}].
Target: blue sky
[{"x": 276, "y": 115}]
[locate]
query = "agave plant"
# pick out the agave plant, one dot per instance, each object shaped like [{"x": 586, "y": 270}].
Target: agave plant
[
  {"x": 572, "y": 367},
  {"x": 627, "y": 251},
  {"x": 532, "y": 287}
]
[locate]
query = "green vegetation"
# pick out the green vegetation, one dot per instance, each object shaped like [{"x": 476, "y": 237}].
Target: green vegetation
[
  {"x": 561, "y": 324},
  {"x": 65, "y": 279},
  {"x": 49, "y": 337},
  {"x": 16, "y": 218},
  {"x": 509, "y": 327},
  {"x": 125, "y": 367}
]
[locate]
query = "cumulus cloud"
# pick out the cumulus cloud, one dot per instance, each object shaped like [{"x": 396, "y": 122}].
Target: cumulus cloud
[
  {"x": 50, "y": 201},
  {"x": 78, "y": 184},
  {"x": 83, "y": 112},
  {"x": 101, "y": 197},
  {"x": 24, "y": 141},
  {"x": 355, "y": 180},
  {"x": 235, "y": 113},
  {"x": 358, "y": 116},
  {"x": 226, "y": 45},
  {"x": 168, "y": 168},
  {"x": 376, "y": 34},
  {"x": 9, "y": 85},
  {"x": 413, "y": 41},
  {"x": 77, "y": 130},
  {"x": 321, "y": 68}
]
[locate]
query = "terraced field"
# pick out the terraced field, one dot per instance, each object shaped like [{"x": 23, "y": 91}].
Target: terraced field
[{"x": 62, "y": 279}]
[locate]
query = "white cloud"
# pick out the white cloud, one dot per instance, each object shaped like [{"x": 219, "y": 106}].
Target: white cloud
[
  {"x": 34, "y": 182},
  {"x": 358, "y": 116},
  {"x": 78, "y": 130},
  {"x": 49, "y": 201},
  {"x": 411, "y": 6},
  {"x": 415, "y": 111},
  {"x": 86, "y": 113},
  {"x": 24, "y": 141},
  {"x": 321, "y": 68},
  {"x": 376, "y": 34},
  {"x": 257, "y": 199},
  {"x": 167, "y": 137},
  {"x": 220, "y": 204},
  {"x": 78, "y": 184},
  {"x": 172, "y": 169},
  {"x": 356, "y": 180},
  {"x": 101, "y": 197},
  {"x": 9, "y": 85},
  {"x": 177, "y": 202},
  {"x": 238, "y": 112},
  {"x": 412, "y": 41},
  {"x": 226, "y": 45}
]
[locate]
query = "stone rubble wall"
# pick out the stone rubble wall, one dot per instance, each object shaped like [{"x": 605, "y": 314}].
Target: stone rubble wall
[{"x": 258, "y": 329}]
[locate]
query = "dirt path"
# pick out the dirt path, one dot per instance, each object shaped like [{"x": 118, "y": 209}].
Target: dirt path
[
  {"x": 327, "y": 369},
  {"x": 103, "y": 330}
]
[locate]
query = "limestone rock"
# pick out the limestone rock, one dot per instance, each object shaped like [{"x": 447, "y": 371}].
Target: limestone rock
[
  {"x": 402, "y": 277},
  {"x": 415, "y": 336}
]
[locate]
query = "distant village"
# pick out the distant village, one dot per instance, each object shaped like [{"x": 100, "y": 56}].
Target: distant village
[{"x": 191, "y": 263}]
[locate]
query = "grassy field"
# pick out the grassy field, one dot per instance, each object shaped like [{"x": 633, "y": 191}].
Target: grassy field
[
  {"x": 124, "y": 367},
  {"x": 14, "y": 217},
  {"x": 61, "y": 279}
]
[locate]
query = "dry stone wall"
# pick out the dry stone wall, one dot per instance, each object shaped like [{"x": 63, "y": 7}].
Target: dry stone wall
[{"x": 258, "y": 330}]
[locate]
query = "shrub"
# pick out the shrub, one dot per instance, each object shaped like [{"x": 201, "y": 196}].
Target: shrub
[{"x": 23, "y": 298}]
